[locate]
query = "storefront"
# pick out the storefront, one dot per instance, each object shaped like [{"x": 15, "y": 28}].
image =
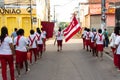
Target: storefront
[{"x": 17, "y": 18}]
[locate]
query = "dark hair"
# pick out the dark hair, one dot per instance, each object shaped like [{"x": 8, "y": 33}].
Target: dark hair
[
  {"x": 59, "y": 29},
  {"x": 88, "y": 29},
  {"x": 20, "y": 32},
  {"x": 99, "y": 30},
  {"x": 15, "y": 29},
  {"x": 4, "y": 33},
  {"x": 39, "y": 31},
  {"x": 117, "y": 30},
  {"x": 32, "y": 31}
]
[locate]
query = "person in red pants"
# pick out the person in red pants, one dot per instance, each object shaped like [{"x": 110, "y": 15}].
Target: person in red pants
[
  {"x": 113, "y": 47},
  {"x": 32, "y": 39},
  {"x": 6, "y": 53},
  {"x": 117, "y": 44}
]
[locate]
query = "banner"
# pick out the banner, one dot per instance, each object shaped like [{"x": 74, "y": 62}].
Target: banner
[{"x": 72, "y": 29}]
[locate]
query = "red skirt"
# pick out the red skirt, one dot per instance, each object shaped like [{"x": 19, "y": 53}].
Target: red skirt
[
  {"x": 92, "y": 45},
  {"x": 99, "y": 47},
  {"x": 87, "y": 42},
  {"x": 59, "y": 42},
  {"x": 20, "y": 56}
]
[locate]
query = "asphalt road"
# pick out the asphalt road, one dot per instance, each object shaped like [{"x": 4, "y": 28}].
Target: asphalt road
[{"x": 73, "y": 63}]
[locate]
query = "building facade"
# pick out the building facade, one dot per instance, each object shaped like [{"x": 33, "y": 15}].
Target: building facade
[{"x": 19, "y": 14}]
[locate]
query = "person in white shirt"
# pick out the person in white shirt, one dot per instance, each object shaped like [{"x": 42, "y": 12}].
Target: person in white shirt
[
  {"x": 99, "y": 39},
  {"x": 59, "y": 38},
  {"x": 6, "y": 53},
  {"x": 113, "y": 47},
  {"x": 117, "y": 43},
  {"x": 21, "y": 43},
  {"x": 40, "y": 43},
  {"x": 32, "y": 39},
  {"x": 83, "y": 37},
  {"x": 92, "y": 39},
  {"x": 87, "y": 39},
  {"x": 44, "y": 34}
]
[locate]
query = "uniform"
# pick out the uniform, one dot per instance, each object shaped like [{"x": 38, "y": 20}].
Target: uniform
[
  {"x": 43, "y": 34},
  {"x": 32, "y": 39},
  {"x": 6, "y": 56}
]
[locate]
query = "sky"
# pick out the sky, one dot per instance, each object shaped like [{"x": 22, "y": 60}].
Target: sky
[{"x": 64, "y": 8}]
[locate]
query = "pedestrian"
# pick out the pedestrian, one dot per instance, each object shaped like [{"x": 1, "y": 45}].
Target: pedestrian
[
  {"x": 87, "y": 39},
  {"x": 14, "y": 34},
  {"x": 117, "y": 43},
  {"x": 59, "y": 38},
  {"x": 83, "y": 37},
  {"x": 6, "y": 53},
  {"x": 99, "y": 39},
  {"x": 44, "y": 34},
  {"x": 92, "y": 39},
  {"x": 21, "y": 43},
  {"x": 40, "y": 43},
  {"x": 106, "y": 41},
  {"x": 113, "y": 47},
  {"x": 32, "y": 39}
]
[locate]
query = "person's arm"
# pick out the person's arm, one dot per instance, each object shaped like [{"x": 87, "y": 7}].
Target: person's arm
[{"x": 12, "y": 48}]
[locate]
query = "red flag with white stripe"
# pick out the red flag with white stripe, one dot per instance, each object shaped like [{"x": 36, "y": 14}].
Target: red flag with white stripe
[{"x": 72, "y": 29}]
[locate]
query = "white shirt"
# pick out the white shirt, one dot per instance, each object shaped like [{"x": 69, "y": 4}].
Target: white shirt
[
  {"x": 59, "y": 35},
  {"x": 84, "y": 33},
  {"x": 34, "y": 42},
  {"x": 5, "y": 48},
  {"x": 117, "y": 42},
  {"x": 22, "y": 44},
  {"x": 112, "y": 39},
  {"x": 39, "y": 40},
  {"x": 43, "y": 34},
  {"x": 91, "y": 36},
  {"x": 87, "y": 36},
  {"x": 98, "y": 41}
]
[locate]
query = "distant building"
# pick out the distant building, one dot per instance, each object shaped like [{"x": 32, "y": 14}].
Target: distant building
[{"x": 91, "y": 13}]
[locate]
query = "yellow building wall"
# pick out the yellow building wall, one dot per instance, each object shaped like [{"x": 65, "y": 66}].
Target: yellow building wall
[{"x": 22, "y": 20}]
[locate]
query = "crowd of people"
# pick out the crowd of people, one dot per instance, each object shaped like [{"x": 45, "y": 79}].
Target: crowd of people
[
  {"x": 95, "y": 42},
  {"x": 16, "y": 48}
]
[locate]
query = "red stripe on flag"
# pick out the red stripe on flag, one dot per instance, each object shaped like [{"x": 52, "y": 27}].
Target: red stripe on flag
[
  {"x": 70, "y": 36},
  {"x": 72, "y": 29}
]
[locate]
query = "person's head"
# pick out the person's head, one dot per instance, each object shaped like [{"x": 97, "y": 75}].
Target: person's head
[
  {"x": 4, "y": 33},
  {"x": 39, "y": 32},
  {"x": 59, "y": 29},
  {"x": 105, "y": 29},
  {"x": 42, "y": 29},
  {"x": 99, "y": 30},
  {"x": 88, "y": 30},
  {"x": 94, "y": 30},
  {"x": 32, "y": 31},
  {"x": 15, "y": 29},
  {"x": 20, "y": 32},
  {"x": 117, "y": 30},
  {"x": 85, "y": 29}
]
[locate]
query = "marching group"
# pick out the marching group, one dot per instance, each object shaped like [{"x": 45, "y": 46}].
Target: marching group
[
  {"x": 95, "y": 41},
  {"x": 16, "y": 48}
]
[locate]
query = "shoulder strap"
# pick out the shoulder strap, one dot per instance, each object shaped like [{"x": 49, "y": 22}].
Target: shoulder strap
[
  {"x": 32, "y": 40},
  {"x": 18, "y": 38}
]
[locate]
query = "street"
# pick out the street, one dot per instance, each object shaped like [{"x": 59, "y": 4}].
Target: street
[{"x": 73, "y": 63}]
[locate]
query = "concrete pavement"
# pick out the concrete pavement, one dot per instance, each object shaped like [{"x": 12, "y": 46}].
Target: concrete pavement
[{"x": 73, "y": 63}]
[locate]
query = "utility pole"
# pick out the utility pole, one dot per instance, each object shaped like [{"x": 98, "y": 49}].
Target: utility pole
[
  {"x": 31, "y": 14},
  {"x": 103, "y": 15},
  {"x": 49, "y": 10}
]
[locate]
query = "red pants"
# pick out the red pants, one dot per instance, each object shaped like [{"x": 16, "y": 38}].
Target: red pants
[
  {"x": 118, "y": 57},
  {"x": 33, "y": 51},
  {"x": 59, "y": 43},
  {"x": 7, "y": 59},
  {"x": 115, "y": 59}
]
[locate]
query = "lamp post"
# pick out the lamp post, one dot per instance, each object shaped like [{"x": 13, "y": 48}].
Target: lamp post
[
  {"x": 103, "y": 15},
  {"x": 55, "y": 12}
]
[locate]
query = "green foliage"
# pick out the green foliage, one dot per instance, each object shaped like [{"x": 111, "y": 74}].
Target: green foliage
[{"x": 63, "y": 24}]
